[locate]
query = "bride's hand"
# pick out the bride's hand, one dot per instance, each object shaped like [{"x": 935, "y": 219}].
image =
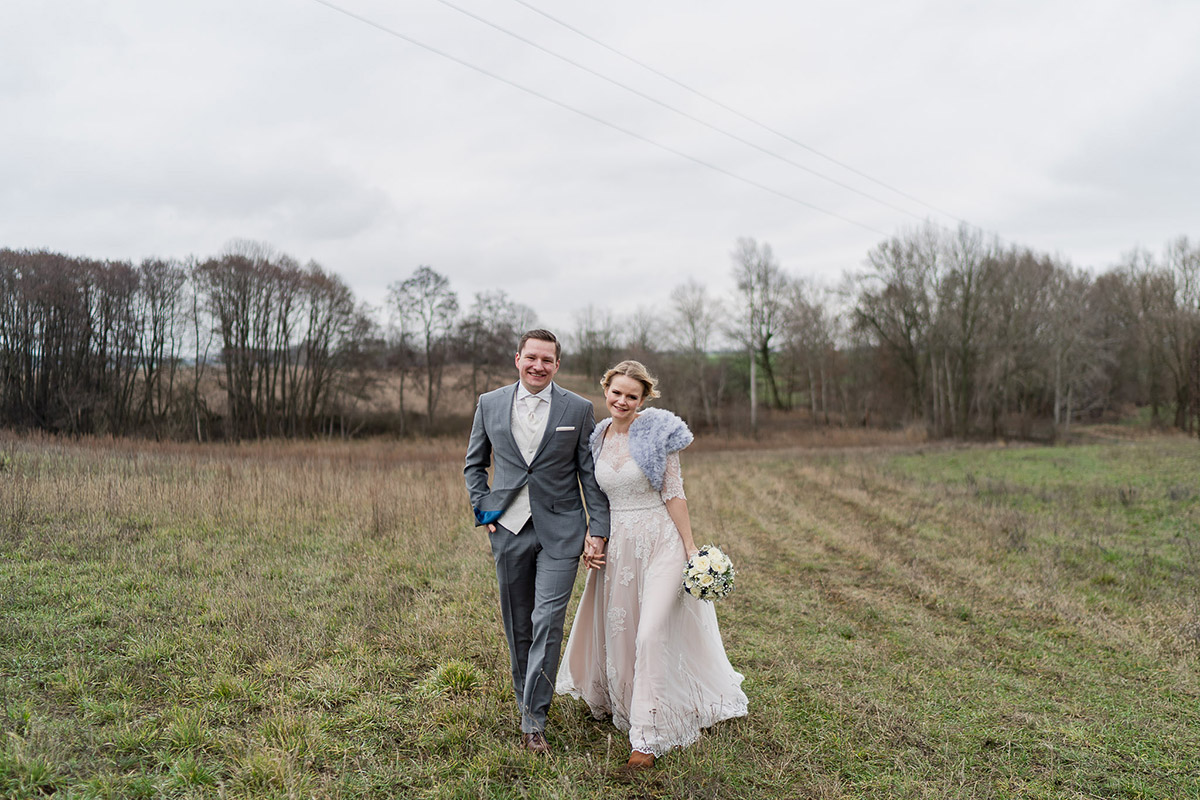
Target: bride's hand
[{"x": 593, "y": 552}]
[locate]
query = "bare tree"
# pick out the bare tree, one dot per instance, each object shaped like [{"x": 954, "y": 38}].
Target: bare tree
[
  {"x": 202, "y": 334},
  {"x": 809, "y": 342},
  {"x": 758, "y": 316},
  {"x": 1154, "y": 295},
  {"x": 160, "y": 296},
  {"x": 334, "y": 328},
  {"x": 643, "y": 333},
  {"x": 237, "y": 295},
  {"x": 695, "y": 322},
  {"x": 402, "y": 359},
  {"x": 1080, "y": 354},
  {"x": 261, "y": 304},
  {"x": 14, "y": 338},
  {"x": 360, "y": 357},
  {"x": 963, "y": 294},
  {"x": 594, "y": 340},
  {"x": 488, "y": 335},
  {"x": 426, "y": 300},
  {"x": 1180, "y": 321},
  {"x": 1195, "y": 372},
  {"x": 1114, "y": 308},
  {"x": 894, "y": 304},
  {"x": 1017, "y": 338}
]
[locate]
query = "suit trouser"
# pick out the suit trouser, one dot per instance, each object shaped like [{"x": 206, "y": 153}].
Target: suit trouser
[{"x": 535, "y": 588}]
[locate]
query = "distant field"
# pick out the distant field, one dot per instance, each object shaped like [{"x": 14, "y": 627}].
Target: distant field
[{"x": 310, "y": 620}]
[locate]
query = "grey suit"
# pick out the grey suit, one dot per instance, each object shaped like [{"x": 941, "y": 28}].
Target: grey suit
[{"x": 536, "y": 568}]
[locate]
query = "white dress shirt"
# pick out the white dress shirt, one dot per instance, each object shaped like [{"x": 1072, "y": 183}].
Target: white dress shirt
[{"x": 529, "y": 415}]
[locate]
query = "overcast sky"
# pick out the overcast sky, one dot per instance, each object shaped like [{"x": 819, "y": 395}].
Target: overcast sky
[{"x": 135, "y": 128}]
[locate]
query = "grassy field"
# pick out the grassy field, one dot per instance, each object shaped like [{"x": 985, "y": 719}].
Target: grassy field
[{"x": 320, "y": 620}]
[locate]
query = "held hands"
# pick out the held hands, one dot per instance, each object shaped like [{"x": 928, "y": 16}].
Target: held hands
[{"x": 593, "y": 552}]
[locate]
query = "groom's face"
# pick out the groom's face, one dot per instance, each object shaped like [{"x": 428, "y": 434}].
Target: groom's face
[{"x": 537, "y": 364}]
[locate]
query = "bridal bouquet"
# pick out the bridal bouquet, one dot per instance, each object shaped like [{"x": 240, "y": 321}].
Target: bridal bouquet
[{"x": 708, "y": 574}]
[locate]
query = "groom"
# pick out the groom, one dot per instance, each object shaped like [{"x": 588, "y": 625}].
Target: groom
[{"x": 536, "y": 433}]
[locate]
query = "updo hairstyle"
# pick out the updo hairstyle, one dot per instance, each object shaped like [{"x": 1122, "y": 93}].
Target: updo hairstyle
[{"x": 637, "y": 371}]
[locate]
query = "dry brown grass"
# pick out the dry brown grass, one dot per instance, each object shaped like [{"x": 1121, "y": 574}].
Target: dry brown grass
[{"x": 313, "y": 619}]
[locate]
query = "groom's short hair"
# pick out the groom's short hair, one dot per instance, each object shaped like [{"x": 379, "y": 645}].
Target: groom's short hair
[{"x": 544, "y": 335}]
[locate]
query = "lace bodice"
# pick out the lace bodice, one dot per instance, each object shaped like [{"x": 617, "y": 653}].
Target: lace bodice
[{"x": 623, "y": 481}]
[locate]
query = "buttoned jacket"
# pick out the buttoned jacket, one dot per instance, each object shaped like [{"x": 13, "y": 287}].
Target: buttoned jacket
[{"x": 560, "y": 476}]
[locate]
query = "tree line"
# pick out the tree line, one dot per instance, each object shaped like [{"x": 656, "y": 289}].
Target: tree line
[
  {"x": 945, "y": 329},
  {"x": 90, "y": 346},
  {"x": 962, "y": 335},
  {"x": 978, "y": 333}
]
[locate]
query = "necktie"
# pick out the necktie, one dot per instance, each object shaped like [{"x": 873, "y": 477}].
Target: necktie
[{"x": 532, "y": 402}]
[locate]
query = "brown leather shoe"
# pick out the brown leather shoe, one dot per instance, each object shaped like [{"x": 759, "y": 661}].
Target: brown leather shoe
[
  {"x": 535, "y": 743},
  {"x": 640, "y": 760}
]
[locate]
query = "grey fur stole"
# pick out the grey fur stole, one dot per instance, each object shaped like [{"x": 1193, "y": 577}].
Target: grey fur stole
[{"x": 655, "y": 433}]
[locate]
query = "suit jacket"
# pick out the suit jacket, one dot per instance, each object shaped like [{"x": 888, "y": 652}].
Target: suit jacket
[{"x": 561, "y": 468}]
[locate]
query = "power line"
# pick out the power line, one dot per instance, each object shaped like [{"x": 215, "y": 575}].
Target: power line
[
  {"x": 678, "y": 111},
  {"x": 593, "y": 117},
  {"x": 741, "y": 114}
]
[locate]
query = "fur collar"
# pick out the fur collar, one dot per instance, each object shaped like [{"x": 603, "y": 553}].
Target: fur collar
[{"x": 655, "y": 433}]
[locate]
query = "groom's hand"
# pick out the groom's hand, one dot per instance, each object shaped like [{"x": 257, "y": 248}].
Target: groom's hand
[{"x": 593, "y": 552}]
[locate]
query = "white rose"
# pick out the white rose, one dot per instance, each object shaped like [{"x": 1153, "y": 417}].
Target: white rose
[
  {"x": 720, "y": 562},
  {"x": 704, "y": 581},
  {"x": 701, "y": 563}
]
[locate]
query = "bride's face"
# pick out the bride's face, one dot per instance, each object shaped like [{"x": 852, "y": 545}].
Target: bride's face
[{"x": 623, "y": 397}]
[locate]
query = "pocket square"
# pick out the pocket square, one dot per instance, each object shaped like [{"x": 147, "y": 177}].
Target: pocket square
[{"x": 564, "y": 428}]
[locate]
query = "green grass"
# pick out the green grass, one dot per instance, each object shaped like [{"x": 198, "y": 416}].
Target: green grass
[{"x": 321, "y": 621}]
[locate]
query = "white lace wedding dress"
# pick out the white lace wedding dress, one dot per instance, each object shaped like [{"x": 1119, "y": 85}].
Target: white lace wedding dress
[{"x": 642, "y": 649}]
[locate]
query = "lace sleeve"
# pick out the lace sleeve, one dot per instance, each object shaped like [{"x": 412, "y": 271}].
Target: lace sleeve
[{"x": 673, "y": 479}]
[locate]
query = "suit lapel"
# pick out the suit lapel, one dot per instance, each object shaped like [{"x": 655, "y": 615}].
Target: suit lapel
[
  {"x": 509, "y": 396},
  {"x": 558, "y": 409}
]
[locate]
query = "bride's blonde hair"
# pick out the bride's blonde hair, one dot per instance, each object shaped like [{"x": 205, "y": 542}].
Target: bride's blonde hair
[{"x": 636, "y": 370}]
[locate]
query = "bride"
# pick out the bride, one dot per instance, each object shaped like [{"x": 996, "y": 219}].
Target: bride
[{"x": 640, "y": 648}]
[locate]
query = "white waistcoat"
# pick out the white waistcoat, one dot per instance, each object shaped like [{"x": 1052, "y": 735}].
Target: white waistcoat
[{"x": 528, "y": 435}]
